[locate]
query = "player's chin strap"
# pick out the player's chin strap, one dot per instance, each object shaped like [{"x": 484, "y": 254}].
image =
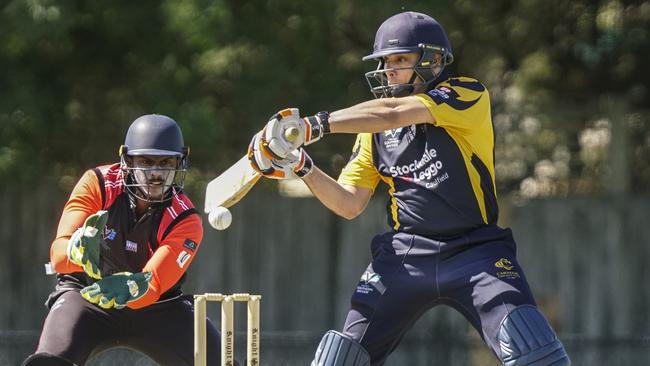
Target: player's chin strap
[{"x": 338, "y": 349}]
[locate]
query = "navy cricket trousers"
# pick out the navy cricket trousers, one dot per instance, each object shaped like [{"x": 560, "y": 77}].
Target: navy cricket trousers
[{"x": 478, "y": 275}]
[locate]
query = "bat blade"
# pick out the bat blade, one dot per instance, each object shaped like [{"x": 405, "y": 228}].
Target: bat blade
[{"x": 231, "y": 186}]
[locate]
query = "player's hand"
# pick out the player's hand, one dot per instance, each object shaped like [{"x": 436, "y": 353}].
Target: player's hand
[
  {"x": 263, "y": 162},
  {"x": 84, "y": 245},
  {"x": 118, "y": 290},
  {"x": 296, "y": 164},
  {"x": 299, "y": 162},
  {"x": 311, "y": 129}
]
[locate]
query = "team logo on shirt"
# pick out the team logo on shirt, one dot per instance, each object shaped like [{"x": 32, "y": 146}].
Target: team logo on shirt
[{"x": 391, "y": 138}]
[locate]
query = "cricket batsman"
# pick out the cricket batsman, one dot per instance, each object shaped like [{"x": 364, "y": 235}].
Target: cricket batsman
[{"x": 429, "y": 137}]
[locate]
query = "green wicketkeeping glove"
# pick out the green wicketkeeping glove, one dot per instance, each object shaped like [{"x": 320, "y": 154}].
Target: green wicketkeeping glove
[
  {"x": 118, "y": 290},
  {"x": 84, "y": 245}
]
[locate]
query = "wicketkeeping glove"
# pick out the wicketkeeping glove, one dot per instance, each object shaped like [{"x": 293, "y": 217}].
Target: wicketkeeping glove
[
  {"x": 118, "y": 290},
  {"x": 84, "y": 245},
  {"x": 311, "y": 129}
]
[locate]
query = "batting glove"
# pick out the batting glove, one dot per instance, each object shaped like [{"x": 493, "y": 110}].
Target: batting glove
[
  {"x": 296, "y": 164},
  {"x": 84, "y": 245},
  {"x": 118, "y": 290},
  {"x": 300, "y": 163},
  {"x": 311, "y": 129}
]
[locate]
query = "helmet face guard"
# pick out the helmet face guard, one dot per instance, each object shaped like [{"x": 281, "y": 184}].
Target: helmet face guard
[
  {"x": 148, "y": 174},
  {"x": 425, "y": 72},
  {"x": 409, "y": 32},
  {"x": 153, "y": 183}
]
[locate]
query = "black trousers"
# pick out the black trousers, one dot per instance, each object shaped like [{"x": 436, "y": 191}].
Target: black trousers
[{"x": 76, "y": 330}]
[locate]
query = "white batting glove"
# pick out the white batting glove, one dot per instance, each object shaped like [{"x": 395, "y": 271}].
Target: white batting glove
[
  {"x": 296, "y": 164},
  {"x": 311, "y": 129},
  {"x": 299, "y": 162}
]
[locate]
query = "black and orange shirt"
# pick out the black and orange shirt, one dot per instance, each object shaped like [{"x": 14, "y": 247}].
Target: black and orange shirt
[
  {"x": 440, "y": 176},
  {"x": 162, "y": 241}
]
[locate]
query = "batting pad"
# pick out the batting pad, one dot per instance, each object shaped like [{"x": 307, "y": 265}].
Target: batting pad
[
  {"x": 526, "y": 338},
  {"x": 338, "y": 349}
]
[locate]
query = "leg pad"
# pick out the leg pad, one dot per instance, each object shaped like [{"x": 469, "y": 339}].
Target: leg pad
[
  {"x": 526, "y": 338},
  {"x": 338, "y": 349}
]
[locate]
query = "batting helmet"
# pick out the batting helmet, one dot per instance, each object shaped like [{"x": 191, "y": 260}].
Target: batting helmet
[{"x": 409, "y": 32}]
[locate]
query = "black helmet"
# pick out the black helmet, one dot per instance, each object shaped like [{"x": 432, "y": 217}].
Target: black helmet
[
  {"x": 153, "y": 135},
  {"x": 409, "y": 32}
]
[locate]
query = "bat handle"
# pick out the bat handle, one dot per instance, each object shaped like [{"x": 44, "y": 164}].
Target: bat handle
[{"x": 291, "y": 134}]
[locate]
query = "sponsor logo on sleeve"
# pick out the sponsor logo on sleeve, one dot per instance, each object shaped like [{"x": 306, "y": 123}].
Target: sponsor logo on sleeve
[
  {"x": 189, "y": 244},
  {"x": 182, "y": 259},
  {"x": 439, "y": 93}
]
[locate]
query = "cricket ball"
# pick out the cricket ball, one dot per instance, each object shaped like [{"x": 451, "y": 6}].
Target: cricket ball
[{"x": 220, "y": 218}]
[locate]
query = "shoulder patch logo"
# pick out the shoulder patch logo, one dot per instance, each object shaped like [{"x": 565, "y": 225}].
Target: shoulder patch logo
[
  {"x": 449, "y": 96},
  {"x": 190, "y": 244},
  {"x": 439, "y": 93}
]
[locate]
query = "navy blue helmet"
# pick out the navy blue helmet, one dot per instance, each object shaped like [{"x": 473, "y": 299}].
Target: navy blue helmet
[
  {"x": 409, "y": 32},
  {"x": 154, "y": 136}
]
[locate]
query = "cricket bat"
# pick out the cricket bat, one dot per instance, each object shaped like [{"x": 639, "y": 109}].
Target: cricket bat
[{"x": 233, "y": 184}]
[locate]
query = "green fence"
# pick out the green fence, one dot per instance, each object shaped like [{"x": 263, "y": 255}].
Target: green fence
[{"x": 584, "y": 258}]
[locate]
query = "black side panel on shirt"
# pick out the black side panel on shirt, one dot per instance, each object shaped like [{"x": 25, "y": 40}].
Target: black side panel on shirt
[{"x": 100, "y": 178}]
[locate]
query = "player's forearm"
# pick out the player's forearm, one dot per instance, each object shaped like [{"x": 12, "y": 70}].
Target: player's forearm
[
  {"x": 59, "y": 257},
  {"x": 334, "y": 196},
  {"x": 379, "y": 115}
]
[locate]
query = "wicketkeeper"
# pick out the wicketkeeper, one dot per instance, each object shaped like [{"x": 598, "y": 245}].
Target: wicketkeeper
[{"x": 126, "y": 237}]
